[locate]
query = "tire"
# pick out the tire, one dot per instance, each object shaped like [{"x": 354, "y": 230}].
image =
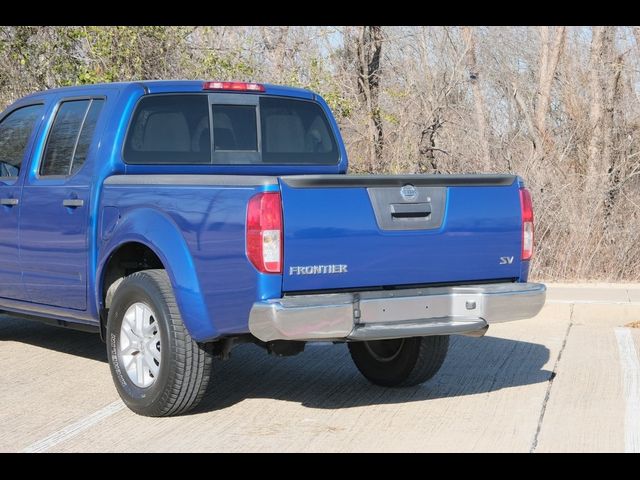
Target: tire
[
  {"x": 181, "y": 366},
  {"x": 403, "y": 362}
]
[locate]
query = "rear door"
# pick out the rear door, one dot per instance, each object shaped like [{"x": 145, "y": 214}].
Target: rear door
[
  {"x": 369, "y": 231},
  {"x": 17, "y": 130},
  {"x": 55, "y": 208}
]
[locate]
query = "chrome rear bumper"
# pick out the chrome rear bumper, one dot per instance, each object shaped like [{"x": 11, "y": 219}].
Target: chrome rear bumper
[{"x": 379, "y": 315}]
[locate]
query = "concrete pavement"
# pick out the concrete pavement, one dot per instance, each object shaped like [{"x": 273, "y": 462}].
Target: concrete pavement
[{"x": 563, "y": 381}]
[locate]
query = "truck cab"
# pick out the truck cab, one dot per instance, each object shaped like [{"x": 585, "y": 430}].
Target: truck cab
[{"x": 181, "y": 218}]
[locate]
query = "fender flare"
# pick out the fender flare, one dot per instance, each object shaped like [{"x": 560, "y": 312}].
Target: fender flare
[{"x": 159, "y": 233}]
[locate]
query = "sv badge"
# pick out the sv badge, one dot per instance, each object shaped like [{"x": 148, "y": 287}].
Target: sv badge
[{"x": 506, "y": 260}]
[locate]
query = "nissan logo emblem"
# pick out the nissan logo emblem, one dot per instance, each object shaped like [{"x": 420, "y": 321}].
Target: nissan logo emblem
[{"x": 409, "y": 192}]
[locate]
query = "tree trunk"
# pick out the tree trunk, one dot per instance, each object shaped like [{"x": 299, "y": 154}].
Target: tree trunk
[
  {"x": 613, "y": 69},
  {"x": 604, "y": 79},
  {"x": 369, "y": 49},
  {"x": 536, "y": 115},
  {"x": 478, "y": 98},
  {"x": 275, "y": 42},
  {"x": 596, "y": 112},
  {"x": 550, "y": 52},
  {"x": 636, "y": 34}
]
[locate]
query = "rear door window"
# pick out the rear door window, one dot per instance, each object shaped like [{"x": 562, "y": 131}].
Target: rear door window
[
  {"x": 70, "y": 137},
  {"x": 86, "y": 135}
]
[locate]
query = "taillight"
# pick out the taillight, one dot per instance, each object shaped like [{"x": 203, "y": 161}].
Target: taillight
[
  {"x": 264, "y": 232},
  {"x": 233, "y": 86},
  {"x": 526, "y": 207}
]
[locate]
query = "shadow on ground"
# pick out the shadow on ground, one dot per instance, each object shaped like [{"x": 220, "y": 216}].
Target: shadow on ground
[
  {"x": 323, "y": 376},
  {"x": 59, "y": 339}
]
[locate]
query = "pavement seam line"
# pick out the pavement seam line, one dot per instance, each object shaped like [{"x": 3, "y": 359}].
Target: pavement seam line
[
  {"x": 630, "y": 367},
  {"x": 592, "y": 302},
  {"x": 552, "y": 377},
  {"x": 74, "y": 429}
]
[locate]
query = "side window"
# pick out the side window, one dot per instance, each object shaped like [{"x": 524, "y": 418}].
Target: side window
[
  {"x": 169, "y": 129},
  {"x": 86, "y": 134},
  {"x": 70, "y": 137},
  {"x": 15, "y": 131}
]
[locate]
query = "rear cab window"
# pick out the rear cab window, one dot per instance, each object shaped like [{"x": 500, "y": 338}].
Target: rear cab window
[
  {"x": 296, "y": 131},
  {"x": 169, "y": 129},
  {"x": 229, "y": 129}
]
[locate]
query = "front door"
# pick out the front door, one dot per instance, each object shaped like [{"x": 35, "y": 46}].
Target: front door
[
  {"x": 55, "y": 209},
  {"x": 16, "y": 131}
]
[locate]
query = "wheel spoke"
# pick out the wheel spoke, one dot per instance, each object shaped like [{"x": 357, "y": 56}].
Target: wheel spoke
[
  {"x": 129, "y": 334},
  {"x": 130, "y": 363},
  {"x": 129, "y": 318},
  {"x": 129, "y": 350},
  {"x": 140, "y": 369},
  {"x": 139, "y": 320},
  {"x": 155, "y": 353},
  {"x": 149, "y": 328},
  {"x": 151, "y": 365}
]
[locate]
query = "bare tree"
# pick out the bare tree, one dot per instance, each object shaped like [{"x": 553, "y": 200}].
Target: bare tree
[
  {"x": 369, "y": 50},
  {"x": 610, "y": 148},
  {"x": 550, "y": 51},
  {"x": 596, "y": 112},
  {"x": 559, "y": 106},
  {"x": 479, "y": 107}
]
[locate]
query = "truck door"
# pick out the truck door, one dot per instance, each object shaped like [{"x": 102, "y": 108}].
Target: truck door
[
  {"x": 55, "y": 207},
  {"x": 16, "y": 133}
]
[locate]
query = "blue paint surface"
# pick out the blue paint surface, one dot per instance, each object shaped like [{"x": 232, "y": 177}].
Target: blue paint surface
[{"x": 337, "y": 226}]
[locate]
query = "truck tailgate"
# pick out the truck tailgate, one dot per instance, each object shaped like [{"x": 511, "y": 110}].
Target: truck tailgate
[{"x": 348, "y": 231}]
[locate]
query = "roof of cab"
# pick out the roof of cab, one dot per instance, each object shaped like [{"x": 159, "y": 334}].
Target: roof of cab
[{"x": 169, "y": 86}]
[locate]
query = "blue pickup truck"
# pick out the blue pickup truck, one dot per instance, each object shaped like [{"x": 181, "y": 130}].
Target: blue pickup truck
[{"x": 178, "y": 219}]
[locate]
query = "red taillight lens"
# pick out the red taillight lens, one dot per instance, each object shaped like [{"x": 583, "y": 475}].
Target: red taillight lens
[
  {"x": 526, "y": 207},
  {"x": 234, "y": 86},
  {"x": 264, "y": 232}
]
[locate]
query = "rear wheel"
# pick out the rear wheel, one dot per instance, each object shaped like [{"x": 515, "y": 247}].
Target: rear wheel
[
  {"x": 401, "y": 362},
  {"x": 158, "y": 369}
]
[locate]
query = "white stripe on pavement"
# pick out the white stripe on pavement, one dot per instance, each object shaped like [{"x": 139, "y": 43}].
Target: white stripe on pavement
[
  {"x": 74, "y": 429},
  {"x": 631, "y": 387}
]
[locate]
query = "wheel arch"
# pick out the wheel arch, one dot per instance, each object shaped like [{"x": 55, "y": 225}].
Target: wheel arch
[{"x": 158, "y": 243}]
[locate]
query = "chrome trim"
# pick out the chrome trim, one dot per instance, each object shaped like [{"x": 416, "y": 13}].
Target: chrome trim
[
  {"x": 314, "y": 317},
  {"x": 442, "y": 326},
  {"x": 73, "y": 203},
  {"x": 378, "y": 315}
]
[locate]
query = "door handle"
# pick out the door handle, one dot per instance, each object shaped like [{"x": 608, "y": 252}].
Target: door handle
[
  {"x": 9, "y": 202},
  {"x": 73, "y": 203},
  {"x": 410, "y": 210}
]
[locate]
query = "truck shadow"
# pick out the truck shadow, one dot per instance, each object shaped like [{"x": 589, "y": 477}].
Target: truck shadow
[
  {"x": 325, "y": 377},
  {"x": 57, "y": 339}
]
